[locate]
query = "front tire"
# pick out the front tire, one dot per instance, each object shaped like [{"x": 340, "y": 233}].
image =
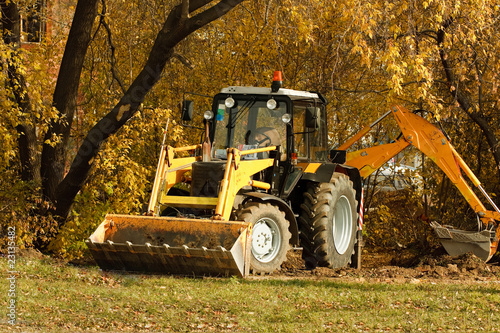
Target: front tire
[
  {"x": 329, "y": 222},
  {"x": 270, "y": 235}
]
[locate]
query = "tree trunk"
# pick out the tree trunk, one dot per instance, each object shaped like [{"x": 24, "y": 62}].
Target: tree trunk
[
  {"x": 27, "y": 140},
  {"x": 177, "y": 26},
  {"x": 65, "y": 96}
]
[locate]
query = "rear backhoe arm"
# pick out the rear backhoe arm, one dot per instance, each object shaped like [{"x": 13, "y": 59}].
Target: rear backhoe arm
[{"x": 420, "y": 133}]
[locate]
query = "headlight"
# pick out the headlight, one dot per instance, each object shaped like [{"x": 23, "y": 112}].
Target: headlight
[
  {"x": 208, "y": 115},
  {"x": 229, "y": 102},
  {"x": 286, "y": 118},
  {"x": 272, "y": 104}
]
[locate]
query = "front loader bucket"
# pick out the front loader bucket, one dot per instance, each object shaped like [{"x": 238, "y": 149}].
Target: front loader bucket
[
  {"x": 170, "y": 245},
  {"x": 457, "y": 242}
]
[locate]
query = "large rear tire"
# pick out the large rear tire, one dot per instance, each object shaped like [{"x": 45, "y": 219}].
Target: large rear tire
[
  {"x": 328, "y": 223},
  {"x": 270, "y": 235}
]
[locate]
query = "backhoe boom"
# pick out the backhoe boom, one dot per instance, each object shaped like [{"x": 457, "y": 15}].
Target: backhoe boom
[{"x": 418, "y": 132}]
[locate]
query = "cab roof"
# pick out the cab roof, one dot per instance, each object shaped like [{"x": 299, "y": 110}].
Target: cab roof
[{"x": 293, "y": 94}]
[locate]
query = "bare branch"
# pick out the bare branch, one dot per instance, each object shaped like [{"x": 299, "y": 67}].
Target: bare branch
[
  {"x": 184, "y": 11},
  {"x": 464, "y": 99},
  {"x": 183, "y": 60},
  {"x": 212, "y": 13},
  {"x": 114, "y": 71}
]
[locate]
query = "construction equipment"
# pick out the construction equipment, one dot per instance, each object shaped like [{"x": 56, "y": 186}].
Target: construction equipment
[
  {"x": 262, "y": 180},
  {"x": 418, "y": 132}
]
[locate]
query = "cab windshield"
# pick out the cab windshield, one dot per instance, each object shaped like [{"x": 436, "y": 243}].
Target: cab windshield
[{"x": 248, "y": 124}]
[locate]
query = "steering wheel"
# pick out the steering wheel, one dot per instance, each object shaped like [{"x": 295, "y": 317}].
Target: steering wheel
[{"x": 266, "y": 138}]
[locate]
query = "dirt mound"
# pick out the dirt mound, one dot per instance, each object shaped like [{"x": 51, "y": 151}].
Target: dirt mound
[{"x": 397, "y": 266}]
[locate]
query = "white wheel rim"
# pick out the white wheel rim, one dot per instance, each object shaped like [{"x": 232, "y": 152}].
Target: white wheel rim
[
  {"x": 266, "y": 240},
  {"x": 342, "y": 224}
]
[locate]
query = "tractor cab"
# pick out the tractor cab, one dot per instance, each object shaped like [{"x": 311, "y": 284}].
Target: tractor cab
[
  {"x": 252, "y": 118},
  {"x": 248, "y": 118}
]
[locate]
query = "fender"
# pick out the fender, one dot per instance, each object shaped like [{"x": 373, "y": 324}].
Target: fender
[
  {"x": 289, "y": 215},
  {"x": 323, "y": 174}
]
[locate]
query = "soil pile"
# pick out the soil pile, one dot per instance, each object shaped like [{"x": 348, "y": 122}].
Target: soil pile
[{"x": 398, "y": 266}]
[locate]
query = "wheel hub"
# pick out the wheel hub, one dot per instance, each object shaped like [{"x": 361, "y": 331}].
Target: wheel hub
[
  {"x": 265, "y": 242},
  {"x": 342, "y": 224}
]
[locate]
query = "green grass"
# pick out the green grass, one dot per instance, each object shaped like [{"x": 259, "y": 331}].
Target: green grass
[{"x": 53, "y": 297}]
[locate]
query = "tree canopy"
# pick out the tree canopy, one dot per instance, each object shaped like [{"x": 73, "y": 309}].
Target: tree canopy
[{"x": 83, "y": 111}]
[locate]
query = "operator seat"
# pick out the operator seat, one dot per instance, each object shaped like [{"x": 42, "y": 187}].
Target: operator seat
[{"x": 265, "y": 137}]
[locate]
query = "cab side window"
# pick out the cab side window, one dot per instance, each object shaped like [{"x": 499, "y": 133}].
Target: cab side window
[
  {"x": 310, "y": 143},
  {"x": 299, "y": 128}
]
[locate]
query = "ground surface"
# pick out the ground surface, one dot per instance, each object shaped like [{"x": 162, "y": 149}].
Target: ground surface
[
  {"x": 378, "y": 265},
  {"x": 395, "y": 291},
  {"x": 398, "y": 266}
]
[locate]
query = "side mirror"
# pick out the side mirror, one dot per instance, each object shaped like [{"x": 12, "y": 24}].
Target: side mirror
[
  {"x": 312, "y": 117},
  {"x": 187, "y": 110}
]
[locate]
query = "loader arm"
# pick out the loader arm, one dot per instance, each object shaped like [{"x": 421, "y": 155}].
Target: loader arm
[
  {"x": 420, "y": 133},
  {"x": 183, "y": 245},
  {"x": 170, "y": 171}
]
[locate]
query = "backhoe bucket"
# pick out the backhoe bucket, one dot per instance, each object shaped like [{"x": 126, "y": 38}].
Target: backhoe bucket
[
  {"x": 170, "y": 245},
  {"x": 458, "y": 242}
]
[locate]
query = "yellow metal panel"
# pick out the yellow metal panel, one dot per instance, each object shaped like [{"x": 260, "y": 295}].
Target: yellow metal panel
[
  {"x": 187, "y": 148},
  {"x": 355, "y": 138},
  {"x": 257, "y": 150},
  {"x": 185, "y": 201},
  {"x": 235, "y": 180},
  {"x": 170, "y": 171},
  {"x": 263, "y": 185},
  {"x": 312, "y": 167},
  {"x": 370, "y": 159},
  {"x": 240, "y": 178},
  {"x": 174, "y": 173}
]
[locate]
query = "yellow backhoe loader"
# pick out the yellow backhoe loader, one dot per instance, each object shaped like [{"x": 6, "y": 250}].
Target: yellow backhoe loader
[
  {"x": 265, "y": 179},
  {"x": 418, "y": 132}
]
